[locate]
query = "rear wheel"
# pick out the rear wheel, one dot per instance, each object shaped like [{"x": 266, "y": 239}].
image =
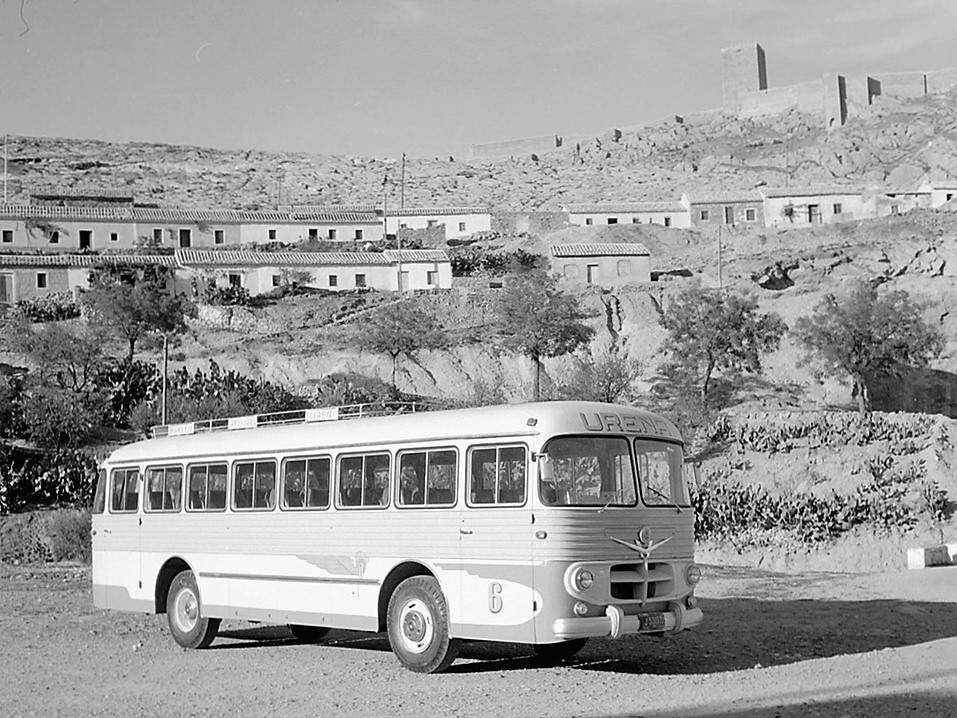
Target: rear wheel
[
  {"x": 554, "y": 652},
  {"x": 184, "y": 613},
  {"x": 418, "y": 626},
  {"x": 308, "y": 634}
]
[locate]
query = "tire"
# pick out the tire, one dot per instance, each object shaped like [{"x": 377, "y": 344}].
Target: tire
[
  {"x": 556, "y": 652},
  {"x": 418, "y": 625},
  {"x": 184, "y": 613},
  {"x": 308, "y": 634}
]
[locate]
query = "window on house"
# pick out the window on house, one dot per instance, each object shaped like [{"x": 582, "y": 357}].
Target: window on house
[
  {"x": 432, "y": 278},
  {"x": 704, "y": 215},
  {"x": 219, "y": 236},
  {"x": 7, "y": 236},
  {"x": 358, "y": 234},
  {"x": 185, "y": 238},
  {"x": 276, "y": 280},
  {"x": 895, "y": 209},
  {"x": 333, "y": 280},
  {"x": 235, "y": 280},
  {"x": 949, "y": 197},
  {"x": 612, "y": 220},
  {"x": 624, "y": 267},
  {"x": 635, "y": 220},
  {"x": 272, "y": 234},
  {"x": 313, "y": 233},
  {"x": 667, "y": 221},
  {"x": 461, "y": 226},
  {"x": 331, "y": 234},
  {"x": 157, "y": 235},
  {"x": 430, "y": 223},
  {"x": 114, "y": 237},
  {"x": 837, "y": 208},
  {"x": 588, "y": 220},
  {"x": 41, "y": 280},
  {"x": 54, "y": 237},
  {"x": 750, "y": 214},
  {"x": 360, "y": 280},
  {"x": 403, "y": 225}
]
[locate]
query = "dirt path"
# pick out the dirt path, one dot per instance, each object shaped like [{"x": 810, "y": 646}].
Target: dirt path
[{"x": 772, "y": 645}]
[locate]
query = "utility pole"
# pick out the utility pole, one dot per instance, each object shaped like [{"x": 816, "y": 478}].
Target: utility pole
[
  {"x": 402, "y": 188},
  {"x": 4, "y": 167},
  {"x": 720, "y": 268},
  {"x": 165, "y": 374}
]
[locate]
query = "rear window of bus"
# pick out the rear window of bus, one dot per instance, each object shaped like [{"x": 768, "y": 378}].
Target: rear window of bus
[
  {"x": 99, "y": 497},
  {"x": 164, "y": 488},
  {"x": 364, "y": 480},
  {"x": 125, "y": 493},
  {"x": 427, "y": 478},
  {"x": 207, "y": 487},
  {"x": 305, "y": 483},
  {"x": 497, "y": 476},
  {"x": 254, "y": 485}
]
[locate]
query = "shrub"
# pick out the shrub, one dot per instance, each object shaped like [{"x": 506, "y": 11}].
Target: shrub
[
  {"x": 228, "y": 296},
  {"x": 52, "y": 307},
  {"x": 41, "y": 536},
  {"x": 45, "y": 479}
]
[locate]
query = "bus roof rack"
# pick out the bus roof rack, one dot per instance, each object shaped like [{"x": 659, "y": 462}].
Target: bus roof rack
[{"x": 296, "y": 416}]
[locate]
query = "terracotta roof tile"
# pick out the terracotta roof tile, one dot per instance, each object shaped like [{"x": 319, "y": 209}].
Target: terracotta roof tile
[
  {"x": 625, "y": 207},
  {"x": 634, "y": 249},
  {"x": 84, "y": 260}
]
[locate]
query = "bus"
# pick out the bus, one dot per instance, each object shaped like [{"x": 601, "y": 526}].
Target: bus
[{"x": 541, "y": 523}]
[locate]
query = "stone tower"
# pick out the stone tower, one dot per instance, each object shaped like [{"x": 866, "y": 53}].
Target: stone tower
[{"x": 743, "y": 70}]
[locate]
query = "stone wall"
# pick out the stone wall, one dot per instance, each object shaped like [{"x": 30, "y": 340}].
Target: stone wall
[
  {"x": 804, "y": 96},
  {"x": 942, "y": 80},
  {"x": 522, "y": 147},
  {"x": 534, "y": 223}
]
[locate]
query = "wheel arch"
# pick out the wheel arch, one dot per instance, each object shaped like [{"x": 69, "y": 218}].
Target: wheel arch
[
  {"x": 398, "y": 574},
  {"x": 164, "y": 579}
]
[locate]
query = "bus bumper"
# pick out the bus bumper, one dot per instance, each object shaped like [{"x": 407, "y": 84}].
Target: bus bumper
[{"x": 616, "y": 623}]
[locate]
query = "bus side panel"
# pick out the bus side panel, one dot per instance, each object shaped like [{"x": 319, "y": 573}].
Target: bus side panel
[{"x": 116, "y": 564}]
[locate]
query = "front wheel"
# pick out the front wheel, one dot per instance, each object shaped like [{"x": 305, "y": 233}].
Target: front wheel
[
  {"x": 555, "y": 652},
  {"x": 418, "y": 626},
  {"x": 184, "y": 613}
]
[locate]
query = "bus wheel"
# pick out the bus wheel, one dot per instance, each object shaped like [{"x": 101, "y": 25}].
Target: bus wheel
[
  {"x": 183, "y": 609},
  {"x": 418, "y": 626},
  {"x": 308, "y": 634},
  {"x": 554, "y": 652}
]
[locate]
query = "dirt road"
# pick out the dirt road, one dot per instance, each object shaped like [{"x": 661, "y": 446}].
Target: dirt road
[{"x": 772, "y": 645}]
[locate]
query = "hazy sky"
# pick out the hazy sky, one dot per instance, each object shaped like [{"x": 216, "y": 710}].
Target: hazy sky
[{"x": 428, "y": 77}]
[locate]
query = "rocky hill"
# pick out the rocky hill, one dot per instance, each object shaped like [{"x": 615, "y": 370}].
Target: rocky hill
[{"x": 895, "y": 143}]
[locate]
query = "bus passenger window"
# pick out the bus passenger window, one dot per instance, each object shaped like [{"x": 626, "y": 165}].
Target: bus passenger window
[
  {"x": 165, "y": 488},
  {"x": 254, "y": 485},
  {"x": 207, "y": 487},
  {"x": 427, "y": 478},
  {"x": 99, "y": 498},
  {"x": 317, "y": 483},
  {"x": 126, "y": 488},
  {"x": 497, "y": 475},
  {"x": 364, "y": 480}
]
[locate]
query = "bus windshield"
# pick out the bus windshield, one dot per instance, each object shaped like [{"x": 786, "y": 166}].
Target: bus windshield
[
  {"x": 660, "y": 473},
  {"x": 588, "y": 471}
]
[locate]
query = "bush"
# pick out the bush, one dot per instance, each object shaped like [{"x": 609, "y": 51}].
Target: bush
[
  {"x": 52, "y": 307},
  {"x": 42, "y": 536},
  {"x": 226, "y": 296},
  {"x": 46, "y": 479},
  {"x": 467, "y": 262}
]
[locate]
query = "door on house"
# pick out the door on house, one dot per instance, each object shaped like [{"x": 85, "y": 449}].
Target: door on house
[
  {"x": 592, "y": 274},
  {"x": 814, "y": 213},
  {"x": 403, "y": 281},
  {"x": 729, "y": 215},
  {"x": 6, "y": 289},
  {"x": 185, "y": 238},
  {"x": 86, "y": 239}
]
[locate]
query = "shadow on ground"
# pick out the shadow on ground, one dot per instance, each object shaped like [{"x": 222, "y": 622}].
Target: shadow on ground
[{"x": 738, "y": 633}]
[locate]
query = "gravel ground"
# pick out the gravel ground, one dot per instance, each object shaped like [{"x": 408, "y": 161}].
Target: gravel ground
[{"x": 772, "y": 645}]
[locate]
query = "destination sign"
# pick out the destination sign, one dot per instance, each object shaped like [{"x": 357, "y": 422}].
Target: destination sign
[{"x": 628, "y": 424}]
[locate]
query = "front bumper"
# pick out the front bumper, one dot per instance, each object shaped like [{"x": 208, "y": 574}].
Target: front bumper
[{"x": 616, "y": 623}]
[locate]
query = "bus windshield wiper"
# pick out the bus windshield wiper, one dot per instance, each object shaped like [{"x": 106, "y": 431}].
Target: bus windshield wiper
[{"x": 671, "y": 501}]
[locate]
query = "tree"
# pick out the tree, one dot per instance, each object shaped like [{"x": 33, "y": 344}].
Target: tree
[
  {"x": 865, "y": 335},
  {"x": 712, "y": 331},
  {"x": 537, "y": 319},
  {"x": 135, "y": 307},
  {"x": 402, "y": 328},
  {"x": 607, "y": 377}
]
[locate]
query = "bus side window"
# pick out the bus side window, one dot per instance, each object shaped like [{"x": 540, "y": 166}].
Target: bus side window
[
  {"x": 317, "y": 483},
  {"x": 497, "y": 475},
  {"x": 350, "y": 481},
  {"x": 126, "y": 488},
  {"x": 99, "y": 498},
  {"x": 164, "y": 488}
]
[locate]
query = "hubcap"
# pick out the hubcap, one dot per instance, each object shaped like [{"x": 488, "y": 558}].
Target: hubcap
[
  {"x": 416, "y": 626},
  {"x": 186, "y": 610}
]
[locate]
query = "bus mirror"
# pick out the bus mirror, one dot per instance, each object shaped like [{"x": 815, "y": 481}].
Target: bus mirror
[{"x": 546, "y": 471}]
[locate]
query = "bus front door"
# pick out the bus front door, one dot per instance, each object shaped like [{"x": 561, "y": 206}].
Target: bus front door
[{"x": 497, "y": 594}]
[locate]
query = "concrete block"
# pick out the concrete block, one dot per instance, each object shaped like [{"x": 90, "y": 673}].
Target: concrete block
[{"x": 942, "y": 555}]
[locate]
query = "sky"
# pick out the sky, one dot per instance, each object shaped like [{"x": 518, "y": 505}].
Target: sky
[{"x": 425, "y": 77}]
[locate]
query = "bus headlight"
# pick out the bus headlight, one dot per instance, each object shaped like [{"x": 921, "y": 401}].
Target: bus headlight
[
  {"x": 693, "y": 574},
  {"x": 583, "y": 579}
]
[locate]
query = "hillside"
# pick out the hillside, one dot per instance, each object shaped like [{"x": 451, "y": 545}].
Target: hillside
[{"x": 896, "y": 143}]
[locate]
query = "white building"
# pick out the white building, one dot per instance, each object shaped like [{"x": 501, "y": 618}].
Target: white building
[
  {"x": 806, "y": 206},
  {"x": 458, "y": 221},
  {"x": 605, "y": 265},
  {"x": 667, "y": 214},
  {"x": 941, "y": 191}
]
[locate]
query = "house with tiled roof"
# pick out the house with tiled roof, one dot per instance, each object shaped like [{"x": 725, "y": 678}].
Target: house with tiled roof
[
  {"x": 458, "y": 221},
  {"x": 724, "y": 208},
  {"x": 805, "y": 206},
  {"x": 666, "y": 214},
  {"x": 602, "y": 264},
  {"x": 940, "y": 191}
]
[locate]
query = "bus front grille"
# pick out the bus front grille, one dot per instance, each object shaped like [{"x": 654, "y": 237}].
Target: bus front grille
[{"x": 641, "y": 582}]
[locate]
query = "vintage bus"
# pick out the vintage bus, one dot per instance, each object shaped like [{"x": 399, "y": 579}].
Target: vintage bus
[{"x": 540, "y": 523}]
